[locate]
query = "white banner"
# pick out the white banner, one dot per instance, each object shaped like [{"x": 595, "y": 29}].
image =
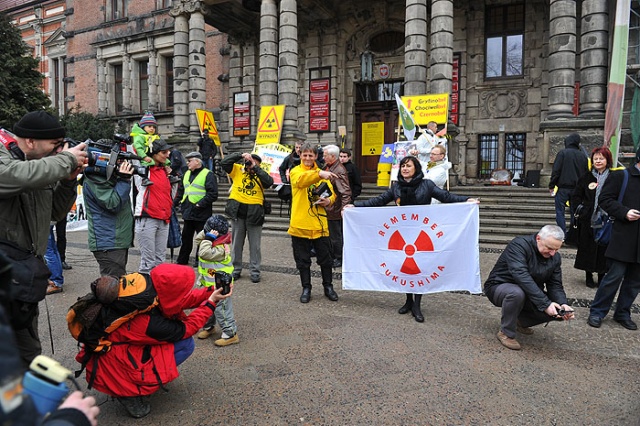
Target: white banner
[{"x": 412, "y": 249}]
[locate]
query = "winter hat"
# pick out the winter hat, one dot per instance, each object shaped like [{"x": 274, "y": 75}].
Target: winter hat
[
  {"x": 193, "y": 154},
  {"x": 217, "y": 223},
  {"x": 39, "y": 125},
  {"x": 148, "y": 120},
  {"x": 159, "y": 145}
]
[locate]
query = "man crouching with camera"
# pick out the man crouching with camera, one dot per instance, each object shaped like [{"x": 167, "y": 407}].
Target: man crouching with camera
[
  {"x": 311, "y": 192},
  {"x": 527, "y": 283}
]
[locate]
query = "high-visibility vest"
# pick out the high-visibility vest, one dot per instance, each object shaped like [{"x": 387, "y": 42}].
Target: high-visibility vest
[
  {"x": 207, "y": 269},
  {"x": 195, "y": 190}
]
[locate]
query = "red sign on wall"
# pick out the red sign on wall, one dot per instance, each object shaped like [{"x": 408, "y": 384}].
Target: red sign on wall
[
  {"x": 241, "y": 114},
  {"x": 454, "y": 115},
  {"x": 319, "y": 105}
]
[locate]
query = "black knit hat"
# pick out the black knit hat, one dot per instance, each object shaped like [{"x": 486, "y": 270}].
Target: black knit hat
[
  {"x": 159, "y": 145},
  {"x": 39, "y": 125},
  {"x": 217, "y": 223}
]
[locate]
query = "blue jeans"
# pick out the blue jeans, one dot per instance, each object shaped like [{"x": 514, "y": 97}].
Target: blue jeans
[
  {"x": 208, "y": 163},
  {"x": 562, "y": 196},
  {"x": 629, "y": 274},
  {"x": 183, "y": 350},
  {"x": 52, "y": 258}
]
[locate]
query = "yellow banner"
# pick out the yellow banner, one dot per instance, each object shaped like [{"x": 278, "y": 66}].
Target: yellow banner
[
  {"x": 426, "y": 108},
  {"x": 206, "y": 122},
  {"x": 270, "y": 124},
  {"x": 372, "y": 138}
]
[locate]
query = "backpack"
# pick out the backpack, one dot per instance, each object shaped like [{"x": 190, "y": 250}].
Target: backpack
[{"x": 110, "y": 304}]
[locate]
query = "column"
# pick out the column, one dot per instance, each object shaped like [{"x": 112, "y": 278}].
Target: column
[
  {"x": 103, "y": 102},
  {"x": 197, "y": 68},
  {"x": 180, "y": 75},
  {"x": 415, "y": 50},
  {"x": 562, "y": 58},
  {"x": 154, "y": 101},
  {"x": 288, "y": 61},
  {"x": 441, "y": 69},
  {"x": 268, "y": 77},
  {"x": 594, "y": 42},
  {"x": 126, "y": 82}
]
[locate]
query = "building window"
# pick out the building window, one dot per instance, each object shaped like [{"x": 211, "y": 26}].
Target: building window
[
  {"x": 58, "y": 86},
  {"x": 118, "y": 88},
  {"x": 166, "y": 3},
  {"x": 373, "y": 92},
  {"x": 116, "y": 9},
  {"x": 504, "y": 34},
  {"x": 514, "y": 153},
  {"x": 168, "y": 87},
  {"x": 143, "y": 84},
  {"x": 488, "y": 155}
]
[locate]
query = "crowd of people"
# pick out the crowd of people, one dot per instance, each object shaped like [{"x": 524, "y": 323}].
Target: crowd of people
[{"x": 526, "y": 282}]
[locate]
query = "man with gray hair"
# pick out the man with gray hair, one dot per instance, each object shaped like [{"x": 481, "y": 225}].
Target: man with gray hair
[
  {"x": 331, "y": 154},
  {"x": 527, "y": 283}
]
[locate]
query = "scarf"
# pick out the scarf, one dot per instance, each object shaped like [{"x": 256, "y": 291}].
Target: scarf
[
  {"x": 600, "y": 179},
  {"x": 408, "y": 190}
]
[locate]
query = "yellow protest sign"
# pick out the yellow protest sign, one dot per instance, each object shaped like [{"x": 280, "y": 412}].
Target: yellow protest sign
[
  {"x": 426, "y": 108},
  {"x": 372, "y": 138},
  {"x": 206, "y": 122},
  {"x": 270, "y": 124}
]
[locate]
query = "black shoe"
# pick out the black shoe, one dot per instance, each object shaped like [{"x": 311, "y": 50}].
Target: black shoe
[
  {"x": 417, "y": 314},
  {"x": 255, "y": 278},
  {"x": 405, "y": 309},
  {"x": 306, "y": 295},
  {"x": 627, "y": 323},
  {"x": 135, "y": 406},
  {"x": 66, "y": 266},
  {"x": 235, "y": 275},
  {"x": 590, "y": 283},
  {"x": 330, "y": 293},
  {"x": 337, "y": 263},
  {"x": 594, "y": 321}
]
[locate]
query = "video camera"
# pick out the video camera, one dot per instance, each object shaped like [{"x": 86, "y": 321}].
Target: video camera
[
  {"x": 322, "y": 191},
  {"x": 105, "y": 156}
]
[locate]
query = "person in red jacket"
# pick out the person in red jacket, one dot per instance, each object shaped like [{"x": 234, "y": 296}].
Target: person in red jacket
[{"x": 146, "y": 350}]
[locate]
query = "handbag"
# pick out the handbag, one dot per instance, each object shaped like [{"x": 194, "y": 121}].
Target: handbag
[
  {"x": 603, "y": 225},
  {"x": 175, "y": 237}
]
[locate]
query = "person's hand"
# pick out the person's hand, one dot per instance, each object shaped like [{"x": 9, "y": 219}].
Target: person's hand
[
  {"x": 632, "y": 215},
  {"x": 569, "y": 313},
  {"x": 148, "y": 160},
  {"x": 473, "y": 200},
  {"x": 217, "y": 295},
  {"x": 552, "y": 192},
  {"x": 413, "y": 151},
  {"x": 325, "y": 174},
  {"x": 348, "y": 206},
  {"x": 324, "y": 202},
  {"x": 248, "y": 158},
  {"x": 126, "y": 169},
  {"x": 85, "y": 404},
  {"x": 82, "y": 158}
]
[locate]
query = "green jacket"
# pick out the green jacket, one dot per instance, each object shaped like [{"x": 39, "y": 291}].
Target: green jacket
[{"x": 32, "y": 194}]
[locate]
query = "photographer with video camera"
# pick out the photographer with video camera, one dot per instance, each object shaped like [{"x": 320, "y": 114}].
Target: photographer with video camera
[
  {"x": 215, "y": 269},
  {"x": 109, "y": 212},
  {"x": 526, "y": 282},
  {"x": 38, "y": 178},
  {"x": 312, "y": 193},
  {"x": 245, "y": 208}
]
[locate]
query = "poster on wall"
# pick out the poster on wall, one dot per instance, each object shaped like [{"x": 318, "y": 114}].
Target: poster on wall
[
  {"x": 319, "y": 101},
  {"x": 372, "y": 138},
  {"x": 241, "y": 114}
]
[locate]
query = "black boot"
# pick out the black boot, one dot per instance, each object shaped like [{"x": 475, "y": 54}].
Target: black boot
[
  {"x": 415, "y": 309},
  {"x": 406, "y": 308},
  {"x": 327, "y": 283},
  {"x": 600, "y": 278},
  {"x": 589, "y": 280},
  {"x": 305, "y": 279}
]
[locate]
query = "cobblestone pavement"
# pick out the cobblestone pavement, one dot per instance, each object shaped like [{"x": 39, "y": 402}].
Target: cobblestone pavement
[{"x": 357, "y": 362}]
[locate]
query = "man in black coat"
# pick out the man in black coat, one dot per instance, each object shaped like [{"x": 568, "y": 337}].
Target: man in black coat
[
  {"x": 207, "y": 148},
  {"x": 527, "y": 283},
  {"x": 197, "y": 193},
  {"x": 570, "y": 164},
  {"x": 623, "y": 252}
]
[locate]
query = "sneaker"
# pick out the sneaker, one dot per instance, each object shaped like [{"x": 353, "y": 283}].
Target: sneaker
[
  {"x": 146, "y": 182},
  {"x": 527, "y": 331},
  {"x": 205, "y": 333},
  {"x": 52, "y": 288},
  {"x": 66, "y": 266},
  {"x": 255, "y": 278},
  {"x": 508, "y": 342},
  {"x": 235, "y": 275},
  {"x": 227, "y": 341},
  {"x": 136, "y": 406}
]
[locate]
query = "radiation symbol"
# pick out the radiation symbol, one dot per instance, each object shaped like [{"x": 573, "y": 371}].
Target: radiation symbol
[{"x": 422, "y": 243}]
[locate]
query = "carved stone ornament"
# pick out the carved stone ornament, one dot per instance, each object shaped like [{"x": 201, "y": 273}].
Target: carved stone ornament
[{"x": 503, "y": 104}]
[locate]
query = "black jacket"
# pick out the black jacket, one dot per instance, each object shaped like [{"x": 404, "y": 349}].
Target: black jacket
[
  {"x": 208, "y": 148},
  {"x": 424, "y": 192},
  {"x": 289, "y": 162},
  {"x": 202, "y": 210},
  {"x": 355, "y": 182},
  {"x": 625, "y": 238},
  {"x": 522, "y": 264},
  {"x": 570, "y": 164}
]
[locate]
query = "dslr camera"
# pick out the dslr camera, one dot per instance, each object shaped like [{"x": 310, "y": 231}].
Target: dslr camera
[
  {"x": 322, "y": 191},
  {"x": 223, "y": 281},
  {"x": 105, "y": 156}
]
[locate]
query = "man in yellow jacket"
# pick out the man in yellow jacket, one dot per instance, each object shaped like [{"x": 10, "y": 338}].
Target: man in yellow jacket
[{"x": 312, "y": 192}]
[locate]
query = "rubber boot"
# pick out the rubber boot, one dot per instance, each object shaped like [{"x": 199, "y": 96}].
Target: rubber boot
[
  {"x": 327, "y": 283},
  {"x": 305, "y": 279},
  {"x": 415, "y": 309},
  {"x": 406, "y": 308},
  {"x": 589, "y": 280}
]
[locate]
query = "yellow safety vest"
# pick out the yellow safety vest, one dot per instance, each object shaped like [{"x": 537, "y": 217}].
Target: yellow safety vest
[
  {"x": 207, "y": 270},
  {"x": 195, "y": 190}
]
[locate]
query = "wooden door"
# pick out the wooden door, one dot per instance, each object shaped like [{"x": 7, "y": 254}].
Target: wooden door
[{"x": 366, "y": 112}]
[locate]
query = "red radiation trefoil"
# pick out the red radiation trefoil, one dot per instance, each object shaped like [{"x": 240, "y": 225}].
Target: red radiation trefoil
[{"x": 422, "y": 243}]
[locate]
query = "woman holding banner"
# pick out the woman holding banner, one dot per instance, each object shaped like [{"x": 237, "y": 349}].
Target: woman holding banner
[{"x": 412, "y": 189}]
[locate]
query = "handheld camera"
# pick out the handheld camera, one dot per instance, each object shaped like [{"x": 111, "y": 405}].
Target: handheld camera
[
  {"x": 105, "y": 156},
  {"x": 322, "y": 191},
  {"x": 223, "y": 280}
]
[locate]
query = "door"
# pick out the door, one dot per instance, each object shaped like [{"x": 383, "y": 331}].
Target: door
[{"x": 367, "y": 112}]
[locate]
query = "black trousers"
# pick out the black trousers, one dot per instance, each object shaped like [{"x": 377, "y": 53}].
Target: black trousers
[
  {"x": 189, "y": 230},
  {"x": 302, "y": 251},
  {"x": 61, "y": 238}
]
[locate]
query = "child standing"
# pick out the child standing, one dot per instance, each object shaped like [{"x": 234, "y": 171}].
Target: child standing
[
  {"x": 144, "y": 134},
  {"x": 214, "y": 255}
]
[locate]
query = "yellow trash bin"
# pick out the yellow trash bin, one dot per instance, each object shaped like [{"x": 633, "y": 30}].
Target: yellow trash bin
[{"x": 384, "y": 174}]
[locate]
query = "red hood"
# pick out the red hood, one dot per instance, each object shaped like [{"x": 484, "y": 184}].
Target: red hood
[{"x": 172, "y": 283}]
